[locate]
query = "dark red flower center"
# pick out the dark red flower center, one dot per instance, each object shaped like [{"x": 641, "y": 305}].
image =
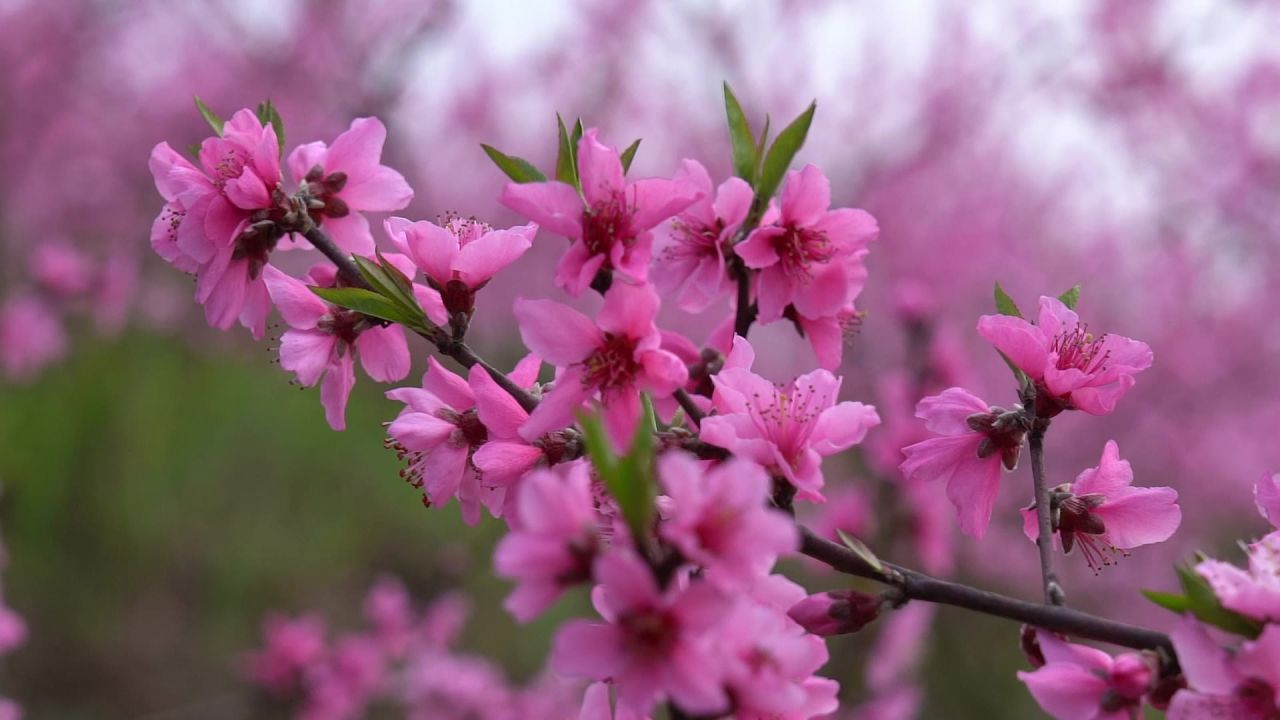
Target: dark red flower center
[
  {"x": 613, "y": 364},
  {"x": 470, "y": 430},
  {"x": 650, "y": 632},
  {"x": 799, "y": 249},
  {"x": 604, "y": 224}
]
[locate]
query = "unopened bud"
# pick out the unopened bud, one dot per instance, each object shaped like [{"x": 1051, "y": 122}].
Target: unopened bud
[
  {"x": 1030, "y": 643},
  {"x": 836, "y": 612},
  {"x": 1131, "y": 675}
]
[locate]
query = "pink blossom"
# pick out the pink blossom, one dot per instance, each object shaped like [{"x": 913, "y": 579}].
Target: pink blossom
[
  {"x": 976, "y": 439},
  {"x": 461, "y": 257},
  {"x": 770, "y": 666},
  {"x": 786, "y": 429},
  {"x": 1072, "y": 369},
  {"x": 690, "y": 248},
  {"x": 1101, "y": 513},
  {"x": 720, "y": 518},
  {"x": 506, "y": 456},
  {"x": 836, "y": 612},
  {"x": 1082, "y": 683},
  {"x": 61, "y": 268},
  {"x": 13, "y": 630},
  {"x": 1266, "y": 495},
  {"x": 290, "y": 647},
  {"x": 441, "y": 428},
  {"x": 827, "y": 334},
  {"x": 553, "y": 541},
  {"x": 654, "y": 643},
  {"x": 219, "y": 220},
  {"x": 388, "y": 609},
  {"x": 619, "y": 356},
  {"x": 811, "y": 257},
  {"x": 347, "y": 179},
  {"x": 324, "y": 340},
  {"x": 1254, "y": 592},
  {"x": 1241, "y": 685},
  {"x": 31, "y": 336},
  {"x": 609, "y": 223}
]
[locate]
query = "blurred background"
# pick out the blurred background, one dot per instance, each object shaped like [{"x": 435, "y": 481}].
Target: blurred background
[{"x": 165, "y": 486}]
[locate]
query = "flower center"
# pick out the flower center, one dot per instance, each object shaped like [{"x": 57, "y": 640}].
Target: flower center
[
  {"x": 787, "y": 419},
  {"x": 470, "y": 431},
  {"x": 1258, "y": 696},
  {"x": 694, "y": 241},
  {"x": 345, "y": 324},
  {"x": 650, "y": 632},
  {"x": 604, "y": 224},
  {"x": 1079, "y": 526},
  {"x": 1080, "y": 350},
  {"x": 799, "y": 249},
  {"x": 612, "y": 364}
]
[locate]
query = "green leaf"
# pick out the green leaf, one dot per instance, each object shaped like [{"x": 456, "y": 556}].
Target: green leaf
[
  {"x": 629, "y": 154},
  {"x": 629, "y": 478},
  {"x": 210, "y": 116},
  {"x": 1204, "y": 604},
  {"x": 745, "y": 151},
  {"x": 1071, "y": 297},
  {"x": 389, "y": 282},
  {"x": 1169, "y": 601},
  {"x": 566, "y": 158},
  {"x": 368, "y": 302},
  {"x": 1005, "y": 304},
  {"x": 518, "y": 169},
  {"x": 269, "y": 115},
  {"x": 782, "y": 152},
  {"x": 860, "y": 549}
]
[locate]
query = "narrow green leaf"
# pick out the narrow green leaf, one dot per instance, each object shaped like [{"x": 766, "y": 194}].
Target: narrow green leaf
[
  {"x": 577, "y": 134},
  {"x": 1204, "y": 604},
  {"x": 518, "y": 169},
  {"x": 598, "y": 448},
  {"x": 782, "y": 152},
  {"x": 629, "y": 154},
  {"x": 1005, "y": 304},
  {"x": 745, "y": 151},
  {"x": 368, "y": 302},
  {"x": 629, "y": 478},
  {"x": 210, "y": 116},
  {"x": 402, "y": 281},
  {"x": 566, "y": 158},
  {"x": 860, "y": 549},
  {"x": 268, "y": 114},
  {"x": 1169, "y": 601},
  {"x": 389, "y": 282},
  {"x": 1071, "y": 297}
]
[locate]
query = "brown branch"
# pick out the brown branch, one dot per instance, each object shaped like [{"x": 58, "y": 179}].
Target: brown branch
[
  {"x": 1053, "y": 593},
  {"x": 919, "y": 586}
]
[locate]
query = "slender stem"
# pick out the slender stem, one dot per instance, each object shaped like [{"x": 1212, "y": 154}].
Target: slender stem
[
  {"x": 919, "y": 586},
  {"x": 746, "y": 311},
  {"x": 690, "y": 408},
  {"x": 1053, "y": 593},
  {"x": 444, "y": 342}
]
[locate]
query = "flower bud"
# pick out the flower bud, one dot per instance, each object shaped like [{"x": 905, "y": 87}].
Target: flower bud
[
  {"x": 836, "y": 612},
  {"x": 1131, "y": 675}
]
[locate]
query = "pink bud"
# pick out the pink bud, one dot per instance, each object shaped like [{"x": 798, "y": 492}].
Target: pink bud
[
  {"x": 1131, "y": 675},
  {"x": 836, "y": 612}
]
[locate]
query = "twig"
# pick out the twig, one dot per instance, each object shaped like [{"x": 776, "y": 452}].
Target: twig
[{"x": 1053, "y": 592}]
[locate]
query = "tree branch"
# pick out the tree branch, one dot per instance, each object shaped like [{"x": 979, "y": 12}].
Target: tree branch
[
  {"x": 919, "y": 586},
  {"x": 1053, "y": 593}
]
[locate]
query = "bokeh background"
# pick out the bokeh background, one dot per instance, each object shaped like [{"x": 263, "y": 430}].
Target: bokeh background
[{"x": 165, "y": 486}]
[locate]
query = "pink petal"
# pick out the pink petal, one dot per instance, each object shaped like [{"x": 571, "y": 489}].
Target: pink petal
[
  {"x": 299, "y": 307},
  {"x": 1141, "y": 516},
  {"x": 499, "y": 412},
  {"x": 1025, "y": 345},
  {"x": 256, "y": 308},
  {"x": 442, "y": 471},
  {"x": 447, "y": 386},
  {"x": 825, "y": 293},
  {"x": 733, "y": 201},
  {"x": 664, "y": 373},
  {"x": 622, "y": 410},
  {"x": 525, "y": 373},
  {"x": 384, "y": 353},
  {"x": 558, "y": 407},
  {"x": 493, "y": 251},
  {"x": 433, "y": 248},
  {"x": 1055, "y": 317},
  {"x": 1206, "y": 665},
  {"x": 248, "y": 191},
  {"x": 827, "y": 339},
  {"x": 599, "y": 168},
  {"x": 358, "y": 149},
  {"x": 588, "y": 650},
  {"x": 627, "y": 582},
  {"x": 380, "y": 189},
  {"x": 1111, "y": 475},
  {"x": 595, "y": 703},
  {"x": 805, "y": 196},
  {"x": 555, "y": 206},
  {"x": 555, "y": 332},
  {"x": 502, "y": 463},
  {"x": 419, "y": 431},
  {"x": 849, "y": 229},
  {"x": 757, "y": 250},
  {"x": 306, "y": 353},
  {"x": 946, "y": 412},
  {"x": 304, "y": 158},
  {"x": 335, "y": 389},
  {"x": 351, "y": 233},
  {"x": 1266, "y": 495},
  {"x": 1066, "y": 692},
  {"x": 656, "y": 199},
  {"x": 842, "y": 426}
]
